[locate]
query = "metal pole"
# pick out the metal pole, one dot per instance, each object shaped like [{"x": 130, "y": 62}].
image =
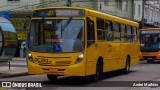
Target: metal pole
[{"x": 9, "y": 65}]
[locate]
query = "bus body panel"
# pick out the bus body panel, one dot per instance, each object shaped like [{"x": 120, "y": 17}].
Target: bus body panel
[
  {"x": 91, "y": 59},
  {"x": 64, "y": 62},
  {"x": 73, "y": 70},
  {"x": 114, "y": 58}
]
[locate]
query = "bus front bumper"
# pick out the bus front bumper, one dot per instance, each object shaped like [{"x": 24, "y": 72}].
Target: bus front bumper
[
  {"x": 72, "y": 70},
  {"x": 150, "y": 56}
]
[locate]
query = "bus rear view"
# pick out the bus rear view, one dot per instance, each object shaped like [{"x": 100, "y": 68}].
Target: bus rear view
[{"x": 150, "y": 44}]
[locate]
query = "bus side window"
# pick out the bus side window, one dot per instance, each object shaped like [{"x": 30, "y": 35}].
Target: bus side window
[
  {"x": 116, "y": 30},
  {"x": 100, "y": 29},
  {"x": 90, "y": 32},
  {"x": 135, "y": 38},
  {"x": 108, "y": 28},
  {"x": 137, "y": 34},
  {"x": 123, "y": 33},
  {"x": 129, "y": 34}
]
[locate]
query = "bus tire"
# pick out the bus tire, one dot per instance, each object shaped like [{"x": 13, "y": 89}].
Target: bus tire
[
  {"x": 126, "y": 70},
  {"x": 52, "y": 77},
  {"x": 99, "y": 72}
]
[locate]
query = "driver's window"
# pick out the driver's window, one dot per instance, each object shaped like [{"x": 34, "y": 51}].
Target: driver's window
[{"x": 90, "y": 32}]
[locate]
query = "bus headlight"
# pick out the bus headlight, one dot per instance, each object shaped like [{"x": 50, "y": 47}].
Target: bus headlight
[
  {"x": 30, "y": 57},
  {"x": 80, "y": 58}
]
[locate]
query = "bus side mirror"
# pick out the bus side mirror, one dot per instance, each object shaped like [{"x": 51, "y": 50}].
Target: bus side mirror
[{"x": 25, "y": 21}]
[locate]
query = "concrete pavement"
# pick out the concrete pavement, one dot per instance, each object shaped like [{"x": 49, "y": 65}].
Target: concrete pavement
[
  {"x": 21, "y": 59},
  {"x": 14, "y": 71}
]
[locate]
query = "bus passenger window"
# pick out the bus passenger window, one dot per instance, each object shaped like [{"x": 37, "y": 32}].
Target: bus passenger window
[
  {"x": 135, "y": 36},
  {"x": 129, "y": 34},
  {"x": 123, "y": 33},
  {"x": 116, "y": 30},
  {"x": 100, "y": 29},
  {"x": 108, "y": 28},
  {"x": 90, "y": 32}
]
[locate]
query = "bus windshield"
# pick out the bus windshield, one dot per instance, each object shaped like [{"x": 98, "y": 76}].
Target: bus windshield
[
  {"x": 150, "y": 42},
  {"x": 57, "y": 35}
]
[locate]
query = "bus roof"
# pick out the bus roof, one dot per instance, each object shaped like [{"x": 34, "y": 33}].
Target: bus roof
[
  {"x": 3, "y": 20},
  {"x": 61, "y": 7},
  {"x": 113, "y": 18},
  {"x": 150, "y": 29},
  {"x": 95, "y": 13}
]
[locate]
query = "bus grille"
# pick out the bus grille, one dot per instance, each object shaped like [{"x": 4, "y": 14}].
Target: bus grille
[{"x": 58, "y": 63}]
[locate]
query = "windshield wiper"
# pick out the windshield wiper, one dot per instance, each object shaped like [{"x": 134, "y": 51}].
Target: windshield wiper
[{"x": 66, "y": 24}]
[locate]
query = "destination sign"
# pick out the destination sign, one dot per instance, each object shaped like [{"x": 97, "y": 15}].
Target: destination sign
[
  {"x": 59, "y": 13},
  {"x": 150, "y": 32}
]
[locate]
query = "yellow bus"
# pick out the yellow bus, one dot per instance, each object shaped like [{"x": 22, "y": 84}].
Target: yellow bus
[
  {"x": 76, "y": 41},
  {"x": 150, "y": 44}
]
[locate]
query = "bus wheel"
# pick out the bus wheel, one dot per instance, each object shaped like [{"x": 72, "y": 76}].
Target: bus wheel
[
  {"x": 127, "y": 67},
  {"x": 52, "y": 77},
  {"x": 99, "y": 72}
]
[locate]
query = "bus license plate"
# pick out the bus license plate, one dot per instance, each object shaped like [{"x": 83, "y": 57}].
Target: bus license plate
[
  {"x": 149, "y": 58},
  {"x": 53, "y": 70}
]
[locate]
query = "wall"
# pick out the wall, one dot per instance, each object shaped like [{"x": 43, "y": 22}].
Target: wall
[
  {"x": 14, "y": 6},
  {"x": 151, "y": 13},
  {"x": 138, "y": 6},
  {"x": 117, "y": 7}
]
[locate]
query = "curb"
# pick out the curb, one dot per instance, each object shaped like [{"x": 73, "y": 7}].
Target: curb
[
  {"x": 19, "y": 59},
  {"x": 13, "y": 75}
]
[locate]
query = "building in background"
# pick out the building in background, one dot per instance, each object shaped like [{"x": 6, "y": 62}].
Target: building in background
[
  {"x": 151, "y": 13},
  {"x": 121, "y": 8},
  {"x": 146, "y": 12},
  {"x": 138, "y": 11}
]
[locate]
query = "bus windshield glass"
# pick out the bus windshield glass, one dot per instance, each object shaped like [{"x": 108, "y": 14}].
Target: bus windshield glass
[
  {"x": 150, "y": 41},
  {"x": 57, "y": 35}
]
